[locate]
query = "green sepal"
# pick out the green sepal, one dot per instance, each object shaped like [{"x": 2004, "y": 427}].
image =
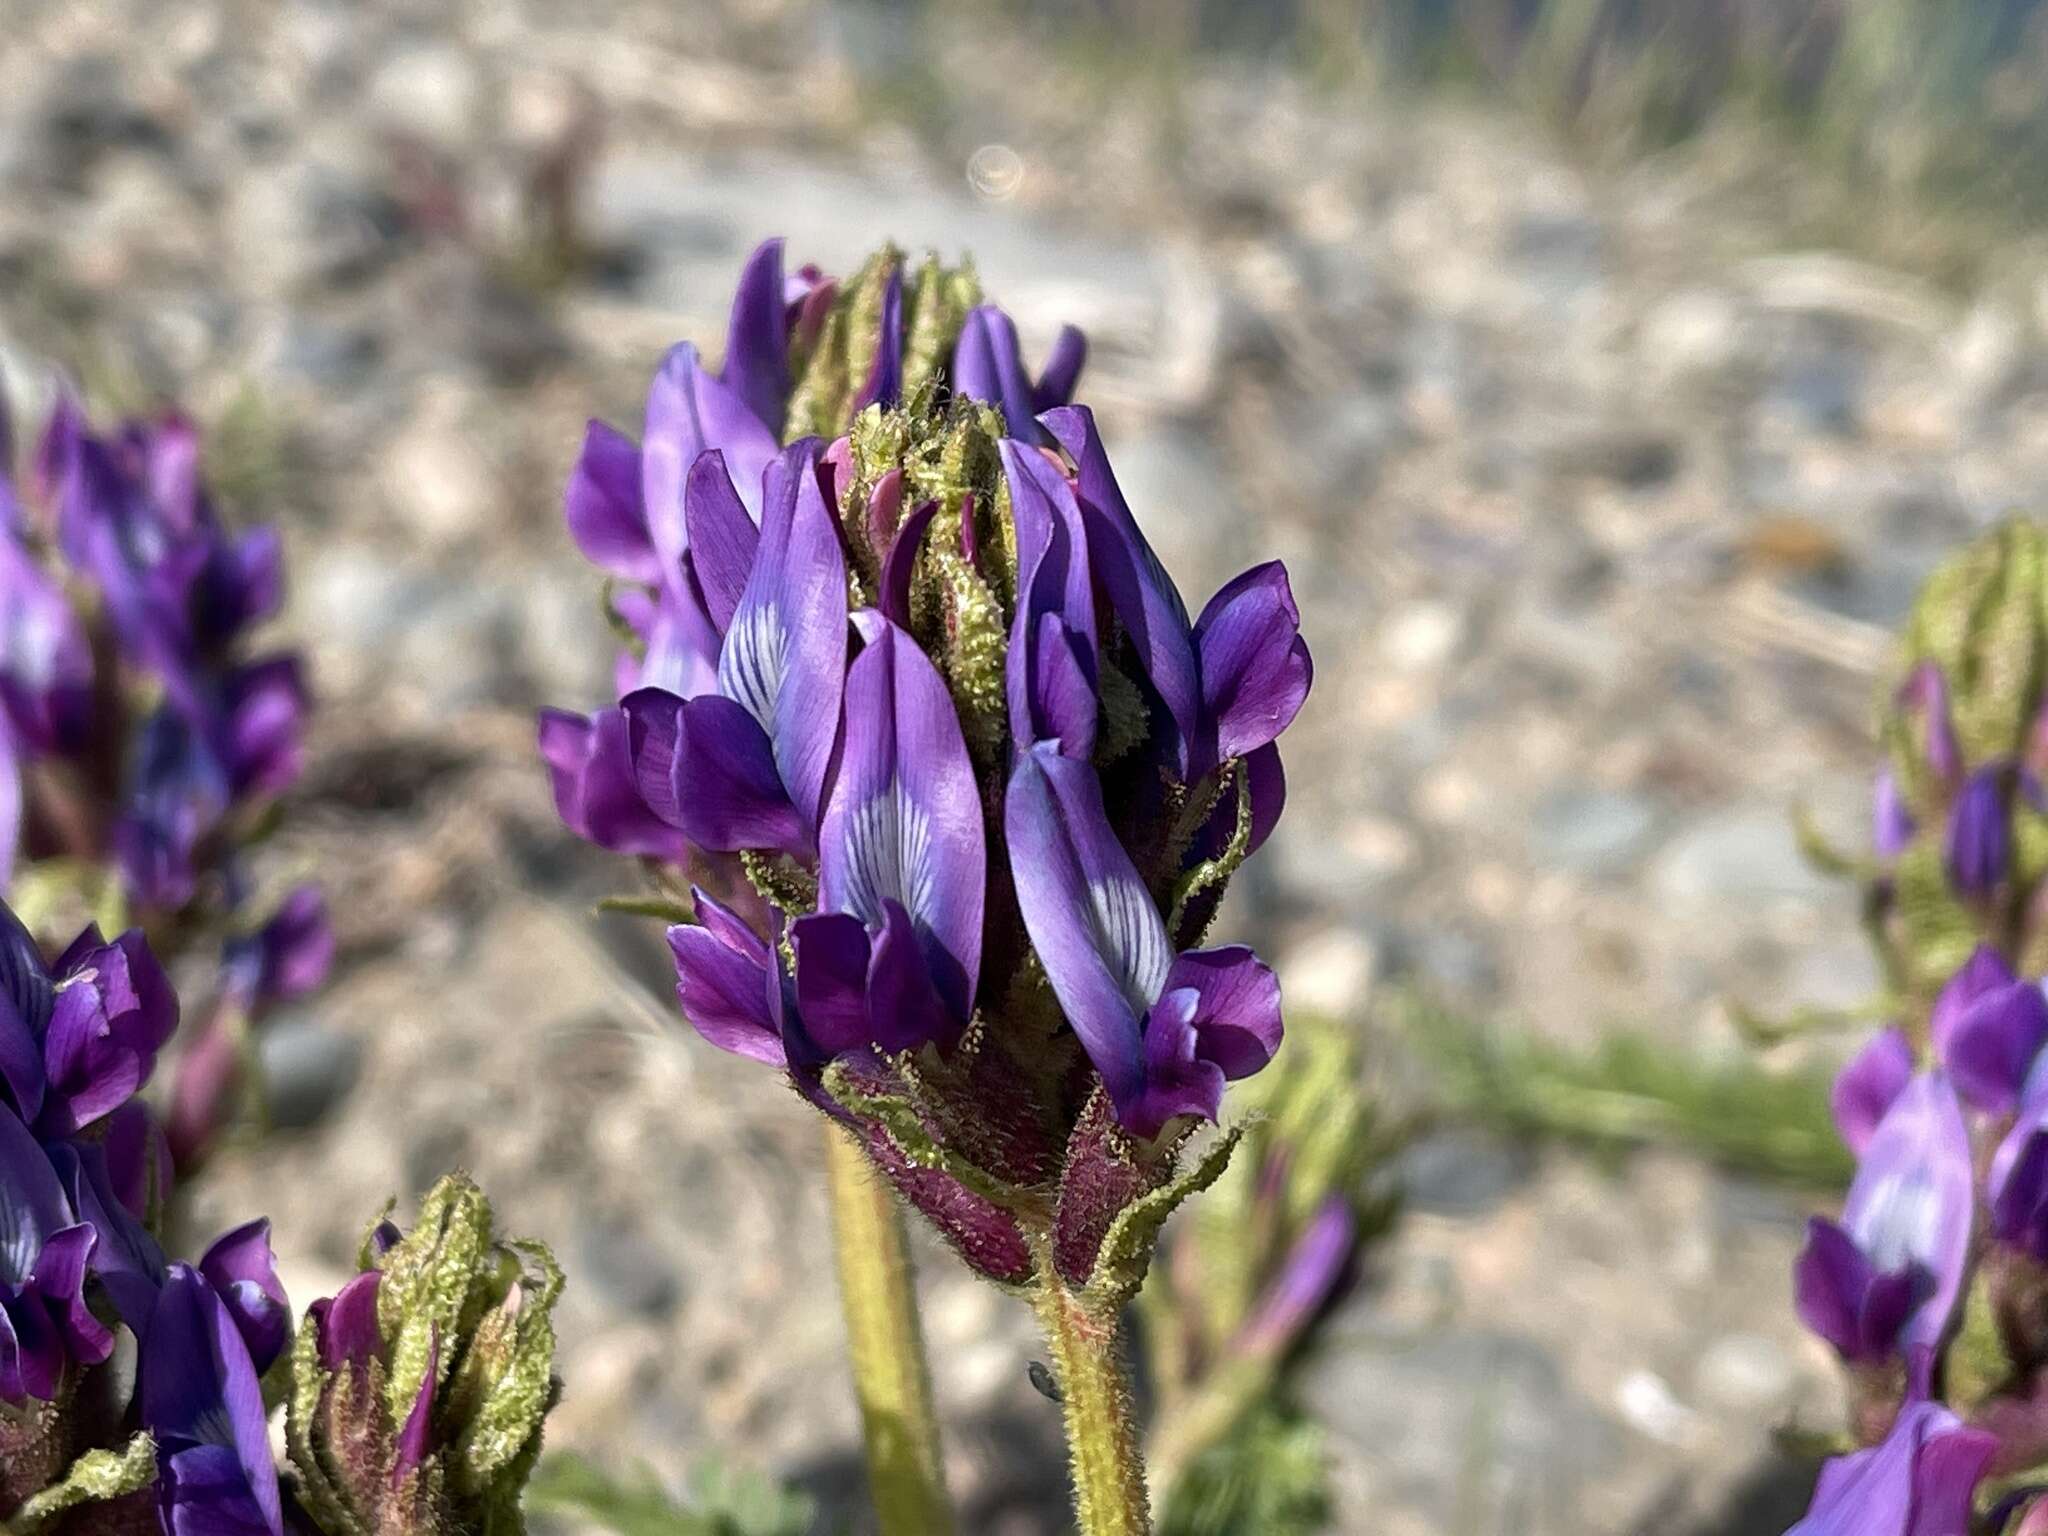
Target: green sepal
[
  {"x": 1976, "y": 1363},
  {"x": 935, "y": 306},
  {"x": 505, "y": 1385},
  {"x": 93, "y": 1478},
  {"x": 429, "y": 1292},
  {"x": 1939, "y": 931},
  {"x": 1126, "y": 1251},
  {"x": 897, "y": 1115},
  {"x": 1214, "y": 874},
  {"x": 321, "y": 1493}
]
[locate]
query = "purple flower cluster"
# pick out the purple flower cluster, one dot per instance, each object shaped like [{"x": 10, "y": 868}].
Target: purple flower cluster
[
  {"x": 921, "y": 730},
  {"x": 447, "y": 1323},
  {"x": 84, "y": 1172},
  {"x": 141, "y": 741},
  {"x": 1947, "y": 1216}
]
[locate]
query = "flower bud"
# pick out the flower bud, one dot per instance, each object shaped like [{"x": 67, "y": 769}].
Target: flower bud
[{"x": 418, "y": 1389}]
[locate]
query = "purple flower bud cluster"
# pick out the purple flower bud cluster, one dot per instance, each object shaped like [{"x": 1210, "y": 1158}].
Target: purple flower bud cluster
[
  {"x": 84, "y": 1174},
  {"x": 416, "y": 1394},
  {"x": 141, "y": 739},
  {"x": 1946, "y": 1220},
  {"x": 920, "y": 730}
]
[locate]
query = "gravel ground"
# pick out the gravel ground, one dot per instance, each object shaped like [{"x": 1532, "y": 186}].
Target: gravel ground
[{"x": 1599, "y": 490}]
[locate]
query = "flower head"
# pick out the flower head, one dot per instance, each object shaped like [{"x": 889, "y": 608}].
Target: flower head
[{"x": 913, "y": 683}]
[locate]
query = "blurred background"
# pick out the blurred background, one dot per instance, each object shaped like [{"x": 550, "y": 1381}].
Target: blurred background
[{"x": 1608, "y": 372}]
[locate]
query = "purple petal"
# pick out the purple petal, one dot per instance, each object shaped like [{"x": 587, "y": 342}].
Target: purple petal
[
  {"x": 243, "y": 1271},
  {"x": 46, "y": 664},
  {"x": 833, "y": 952},
  {"x": 126, "y": 1258},
  {"x": 1312, "y": 1273},
  {"x": 688, "y": 411},
  {"x": 988, "y": 365},
  {"x": 1979, "y": 837},
  {"x": 885, "y": 506},
  {"x": 1920, "y": 1481},
  {"x": 1912, "y": 1200},
  {"x": 241, "y": 584},
  {"x": 204, "y": 1490},
  {"x": 1091, "y": 920},
  {"x": 884, "y": 384},
  {"x": 1062, "y": 371},
  {"x": 26, "y": 1000},
  {"x": 1891, "y": 822},
  {"x": 902, "y": 563},
  {"x": 757, "y": 338},
  {"x": 784, "y": 658},
  {"x": 197, "y": 1387},
  {"x": 1984, "y": 972},
  {"x": 265, "y": 707},
  {"x": 1178, "y": 1080},
  {"x": 1139, "y": 589},
  {"x": 606, "y": 515},
  {"x": 727, "y": 791},
  {"x": 1994, "y": 1043},
  {"x": 295, "y": 948},
  {"x": 32, "y": 1203},
  {"x": 1255, "y": 665},
  {"x": 59, "y": 1280},
  {"x": 347, "y": 1323},
  {"x": 1237, "y": 1012},
  {"x": 415, "y": 1439},
  {"x": 2017, "y": 1185},
  {"x": 1846, "y": 1301},
  {"x": 597, "y": 791},
  {"x": 1924, "y": 695},
  {"x": 681, "y": 643},
  {"x": 723, "y": 973},
  {"x": 723, "y": 537},
  {"x": 1868, "y": 1085},
  {"x": 904, "y": 822},
  {"x": 906, "y": 1006},
  {"x": 1051, "y": 679}
]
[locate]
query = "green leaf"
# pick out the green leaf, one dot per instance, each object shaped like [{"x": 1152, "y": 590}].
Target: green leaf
[
  {"x": 92, "y": 1479},
  {"x": 1126, "y": 1251}
]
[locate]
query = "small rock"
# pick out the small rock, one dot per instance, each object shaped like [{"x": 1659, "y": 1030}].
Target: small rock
[
  {"x": 430, "y": 92},
  {"x": 1590, "y": 831},
  {"x": 1329, "y": 973},
  {"x": 1459, "y": 1173},
  {"x": 435, "y": 479},
  {"x": 307, "y": 1068},
  {"x": 1745, "y": 1371},
  {"x": 1421, "y": 635},
  {"x": 626, "y": 1267},
  {"x": 1740, "y": 855},
  {"x": 1646, "y": 1401}
]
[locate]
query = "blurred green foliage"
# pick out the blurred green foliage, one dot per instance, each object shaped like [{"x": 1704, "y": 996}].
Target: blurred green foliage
[
  {"x": 1631, "y": 1091},
  {"x": 724, "y": 1500}
]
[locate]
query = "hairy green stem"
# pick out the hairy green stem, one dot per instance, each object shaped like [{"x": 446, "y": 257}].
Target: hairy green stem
[
  {"x": 1102, "y": 1423},
  {"x": 886, "y": 1346}
]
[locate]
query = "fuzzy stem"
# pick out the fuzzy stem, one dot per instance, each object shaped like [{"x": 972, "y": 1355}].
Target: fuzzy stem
[
  {"x": 886, "y": 1347},
  {"x": 1102, "y": 1421}
]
